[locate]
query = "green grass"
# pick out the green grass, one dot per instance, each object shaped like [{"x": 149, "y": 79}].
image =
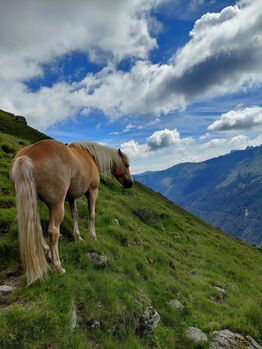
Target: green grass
[{"x": 164, "y": 254}]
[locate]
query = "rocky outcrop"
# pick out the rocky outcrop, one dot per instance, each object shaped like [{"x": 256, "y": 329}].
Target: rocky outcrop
[
  {"x": 73, "y": 317},
  {"x": 6, "y": 289},
  {"x": 93, "y": 324},
  {"x": 220, "y": 296},
  {"x": 116, "y": 221},
  {"x": 175, "y": 303},
  {"x": 226, "y": 339},
  {"x": 219, "y": 289},
  {"x": 196, "y": 335},
  {"x": 20, "y": 118},
  {"x": 147, "y": 321},
  {"x": 97, "y": 260}
]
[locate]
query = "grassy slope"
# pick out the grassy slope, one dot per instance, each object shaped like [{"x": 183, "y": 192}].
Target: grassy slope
[{"x": 174, "y": 256}]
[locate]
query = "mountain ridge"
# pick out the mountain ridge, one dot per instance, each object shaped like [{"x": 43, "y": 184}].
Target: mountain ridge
[{"x": 206, "y": 189}]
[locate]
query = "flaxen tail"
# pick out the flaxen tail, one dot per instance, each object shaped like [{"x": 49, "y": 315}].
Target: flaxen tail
[{"x": 29, "y": 226}]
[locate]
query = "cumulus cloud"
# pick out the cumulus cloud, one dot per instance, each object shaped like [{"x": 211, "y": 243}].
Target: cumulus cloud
[
  {"x": 239, "y": 142},
  {"x": 135, "y": 150},
  {"x": 223, "y": 55},
  {"x": 204, "y": 137},
  {"x": 215, "y": 142},
  {"x": 111, "y": 29},
  {"x": 163, "y": 138},
  {"x": 240, "y": 119},
  {"x": 158, "y": 140},
  {"x": 106, "y": 30},
  {"x": 43, "y": 108}
]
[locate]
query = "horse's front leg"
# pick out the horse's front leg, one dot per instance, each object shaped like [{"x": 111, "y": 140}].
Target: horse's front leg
[
  {"x": 56, "y": 215},
  {"x": 74, "y": 214},
  {"x": 92, "y": 196}
]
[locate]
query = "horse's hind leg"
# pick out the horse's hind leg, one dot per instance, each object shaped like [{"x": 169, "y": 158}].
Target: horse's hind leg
[
  {"x": 46, "y": 248},
  {"x": 74, "y": 214},
  {"x": 56, "y": 215},
  {"x": 92, "y": 196}
]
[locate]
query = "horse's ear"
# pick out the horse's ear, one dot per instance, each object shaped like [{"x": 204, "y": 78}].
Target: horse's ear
[{"x": 119, "y": 152}]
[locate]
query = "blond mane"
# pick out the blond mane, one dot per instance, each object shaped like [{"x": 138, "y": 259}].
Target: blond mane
[{"x": 106, "y": 158}]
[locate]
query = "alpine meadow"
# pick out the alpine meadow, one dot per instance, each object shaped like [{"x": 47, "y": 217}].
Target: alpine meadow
[{"x": 156, "y": 256}]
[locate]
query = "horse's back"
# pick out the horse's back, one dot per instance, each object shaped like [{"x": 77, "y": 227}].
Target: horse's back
[
  {"x": 51, "y": 161},
  {"x": 44, "y": 149}
]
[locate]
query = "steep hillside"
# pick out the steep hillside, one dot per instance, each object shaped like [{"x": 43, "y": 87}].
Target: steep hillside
[
  {"x": 157, "y": 254},
  {"x": 225, "y": 191},
  {"x": 9, "y": 125}
]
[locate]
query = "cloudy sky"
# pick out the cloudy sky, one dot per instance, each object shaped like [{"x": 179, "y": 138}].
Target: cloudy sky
[{"x": 168, "y": 81}]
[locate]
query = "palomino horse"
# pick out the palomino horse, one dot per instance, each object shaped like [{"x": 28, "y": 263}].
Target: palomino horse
[{"x": 54, "y": 172}]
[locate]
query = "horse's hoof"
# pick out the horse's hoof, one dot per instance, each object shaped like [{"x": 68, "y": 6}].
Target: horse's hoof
[
  {"x": 59, "y": 269},
  {"x": 93, "y": 237},
  {"x": 78, "y": 238}
]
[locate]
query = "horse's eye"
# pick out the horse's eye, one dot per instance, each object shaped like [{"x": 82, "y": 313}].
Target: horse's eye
[{"x": 127, "y": 166}]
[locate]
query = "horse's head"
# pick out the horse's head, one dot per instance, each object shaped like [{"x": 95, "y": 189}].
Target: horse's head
[{"x": 121, "y": 171}]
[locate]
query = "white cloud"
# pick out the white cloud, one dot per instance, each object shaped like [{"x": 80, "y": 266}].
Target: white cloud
[
  {"x": 43, "y": 108},
  {"x": 129, "y": 127},
  {"x": 163, "y": 138},
  {"x": 111, "y": 29},
  {"x": 217, "y": 147},
  {"x": 223, "y": 55},
  {"x": 106, "y": 30},
  {"x": 135, "y": 150},
  {"x": 240, "y": 119},
  {"x": 215, "y": 142},
  {"x": 204, "y": 137},
  {"x": 98, "y": 126},
  {"x": 239, "y": 142},
  {"x": 158, "y": 140}
]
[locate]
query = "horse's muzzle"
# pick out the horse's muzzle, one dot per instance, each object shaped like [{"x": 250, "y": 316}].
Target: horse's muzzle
[{"x": 128, "y": 183}]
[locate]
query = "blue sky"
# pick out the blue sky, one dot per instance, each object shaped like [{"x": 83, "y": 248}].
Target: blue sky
[{"x": 168, "y": 81}]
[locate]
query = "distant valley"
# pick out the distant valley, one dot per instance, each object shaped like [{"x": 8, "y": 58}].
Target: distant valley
[{"x": 225, "y": 191}]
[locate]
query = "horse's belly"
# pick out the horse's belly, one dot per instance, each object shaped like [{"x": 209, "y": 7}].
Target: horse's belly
[
  {"x": 77, "y": 189},
  {"x": 74, "y": 194}
]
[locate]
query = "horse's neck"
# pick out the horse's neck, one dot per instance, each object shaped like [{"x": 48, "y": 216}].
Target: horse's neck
[
  {"x": 105, "y": 158},
  {"x": 105, "y": 163}
]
